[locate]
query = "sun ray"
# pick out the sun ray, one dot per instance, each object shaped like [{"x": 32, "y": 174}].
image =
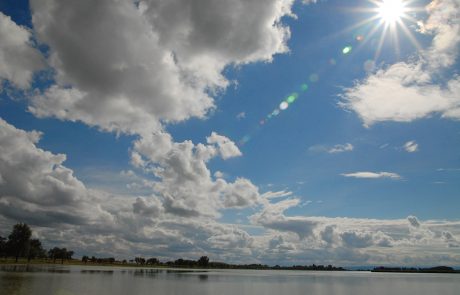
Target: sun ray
[
  {"x": 381, "y": 40},
  {"x": 410, "y": 36},
  {"x": 395, "y": 35},
  {"x": 371, "y": 34}
]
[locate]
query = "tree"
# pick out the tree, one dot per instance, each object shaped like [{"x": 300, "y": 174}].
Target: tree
[
  {"x": 69, "y": 254},
  {"x": 139, "y": 260},
  {"x": 63, "y": 254},
  {"x": 36, "y": 250},
  {"x": 54, "y": 253},
  {"x": 203, "y": 261},
  {"x": 152, "y": 261},
  {"x": 19, "y": 240},
  {"x": 85, "y": 259},
  {"x": 2, "y": 246}
]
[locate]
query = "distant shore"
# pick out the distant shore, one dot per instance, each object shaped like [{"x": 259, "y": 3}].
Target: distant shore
[
  {"x": 437, "y": 269},
  {"x": 76, "y": 262},
  {"x": 210, "y": 265}
]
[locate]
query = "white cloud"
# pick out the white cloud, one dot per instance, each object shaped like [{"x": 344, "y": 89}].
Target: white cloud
[
  {"x": 153, "y": 64},
  {"x": 38, "y": 189},
  {"x": 18, "y": 57},
  {"x": 277, "y": 194},
  {"x": 367, "y": 174},
  {"x": 340, "y": 148},
  {"x": 241, "y": 115},
  {"x": 272, "y": 216},
  {"x": 150, "y": 207},
  {"x": 227, "y": 148},
  {"x": 219, "y": 174},
  {"x": 411, "y": 146},
  {"x": 37, "y": 186},
  {"x": 184, "y": 180},
  {"x": 414, "y": 91},
  {"x": 137, "y": 68}
]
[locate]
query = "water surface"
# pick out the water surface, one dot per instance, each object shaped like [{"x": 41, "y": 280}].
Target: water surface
[{"x": 72, "y": 280}]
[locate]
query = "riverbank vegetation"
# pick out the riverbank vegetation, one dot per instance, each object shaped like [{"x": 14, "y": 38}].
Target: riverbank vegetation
[{"x": 20, "y": 246}]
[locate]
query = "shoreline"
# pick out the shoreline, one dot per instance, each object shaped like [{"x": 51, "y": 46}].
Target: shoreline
[{"x": 166, "y": 267}]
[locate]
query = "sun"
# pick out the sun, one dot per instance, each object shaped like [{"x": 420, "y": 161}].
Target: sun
[
  {"x": 389, "y": 19},
  {"x": 391, "y": 11}
]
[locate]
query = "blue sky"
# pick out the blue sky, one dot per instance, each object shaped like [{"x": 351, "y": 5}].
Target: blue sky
[{"x": 350, "y": 146}]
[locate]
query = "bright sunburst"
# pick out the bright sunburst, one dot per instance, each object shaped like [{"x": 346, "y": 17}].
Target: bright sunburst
[
  {"x": 389, "y": 18},
  {"x": 391, "y": 11}
]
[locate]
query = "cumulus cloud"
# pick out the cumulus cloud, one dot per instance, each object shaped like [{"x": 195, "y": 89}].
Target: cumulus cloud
[
  {"x": 136, "y": 67},
  {"x": 368, "y": 241},
  {"x": 413, "y": 221},
  {"x": 451, "y": 241},
  {"x": 63, "y": 211},
  {"x": 411, "y": 146},
  {"x": 357, "y": 239},
  {"x": 414, "y": 91},
  {"x": 18, "y": 57},
  {"x": 150, "y": 207},
  {"x": 272, "y": 216},
  {"x": 372, "y": 175},
  {"x": 129, "y": 68},
  {"x": 227, "y": 148},
  {"x": 36, "y": 186},
  {"x": 328, "y": 235},
  {"x": 184, "y": 180}
]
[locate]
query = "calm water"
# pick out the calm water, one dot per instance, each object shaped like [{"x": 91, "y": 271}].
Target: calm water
[{"x": 50, "y": 280}]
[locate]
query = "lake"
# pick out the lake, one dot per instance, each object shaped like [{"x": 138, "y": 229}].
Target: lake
[{"x": 73, "y": 280}]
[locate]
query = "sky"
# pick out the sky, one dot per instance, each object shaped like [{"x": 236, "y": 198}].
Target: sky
[{"x": 264, "y": 131}]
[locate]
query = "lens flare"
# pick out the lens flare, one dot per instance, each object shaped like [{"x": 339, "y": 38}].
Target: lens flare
[
  {"x": 304, "y": 87},
  {"x": 291, "y": 98},
  {"x": 346, "y": 49},
  {"x": 284, "y": 105},
  {"x": 314, "y": 78}
]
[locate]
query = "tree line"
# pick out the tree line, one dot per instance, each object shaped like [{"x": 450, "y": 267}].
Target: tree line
[
  {"x": 436, "y": 269},
  {"x": 19, "y": 244}
]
